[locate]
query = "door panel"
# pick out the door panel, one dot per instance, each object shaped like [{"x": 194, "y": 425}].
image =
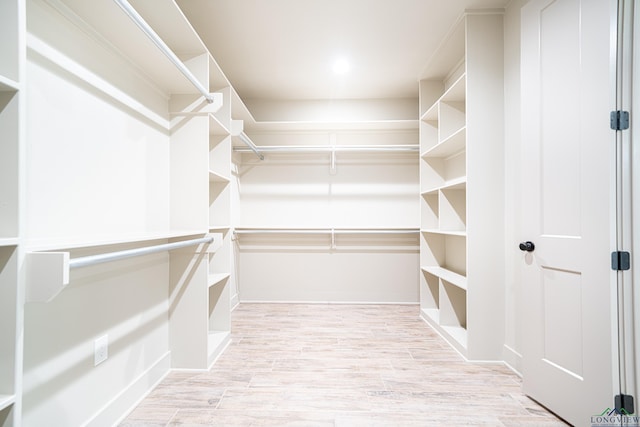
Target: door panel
[{"x": 566, "y": 206}]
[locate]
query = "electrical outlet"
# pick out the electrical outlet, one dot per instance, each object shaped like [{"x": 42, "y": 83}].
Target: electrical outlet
[{"x": 101, "y": 350}]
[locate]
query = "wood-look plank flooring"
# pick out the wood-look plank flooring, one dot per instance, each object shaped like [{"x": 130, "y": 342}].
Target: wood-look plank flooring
[{"x": 339, "y": 365}]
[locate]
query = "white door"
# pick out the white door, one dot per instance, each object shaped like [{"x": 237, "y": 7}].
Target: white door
[{"x": 566, "y": 181}]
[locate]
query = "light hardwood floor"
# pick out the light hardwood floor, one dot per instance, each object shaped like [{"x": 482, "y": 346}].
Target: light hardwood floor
[{"x": 339, "y": 365}]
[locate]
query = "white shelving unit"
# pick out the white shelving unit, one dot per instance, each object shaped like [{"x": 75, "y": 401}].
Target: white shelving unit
[
  {"x": 174, "y": 150},
  {"x": 208, "y": 131},
  {"x": 12, "y": 52},
  {"x": 461, "y": 145}
]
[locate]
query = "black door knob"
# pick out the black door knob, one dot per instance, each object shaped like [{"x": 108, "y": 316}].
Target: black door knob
[{"x": 527, "y": 246}]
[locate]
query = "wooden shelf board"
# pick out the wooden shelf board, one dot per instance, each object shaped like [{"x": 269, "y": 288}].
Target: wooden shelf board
[
  {"x": 56, "y": 244},
  {"x": 449, "y": 276},
  {"x": 8, "y": 85},
  {"x": 217, "y": 278},
  {"x": 432, "y": 192},
  {"x": 219, "y": 227},
  {"x": 457, "y": 91},
  {"x": 453, "y": 184},
  {"x": 8, "y": 241},
  {"x": 112, "y": 23},
  {"x": 431, "y": 115},
  {"x": 216, "y": 177},
  {"x": 333, "y": 126},
  {"x": 444, "y": 232},
  {"x": 453, "y": 144},
  {"x": 6, "y": 400}
]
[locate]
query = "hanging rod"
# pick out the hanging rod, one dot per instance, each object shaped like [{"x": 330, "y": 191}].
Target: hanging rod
[
  {"x": 155, "y": 38},
  {"x": 330, "y": 148},
  {"x": 112, "y": 256},
  {"x": 327, "y": 231},
  {"x": 244, "y": 138}
]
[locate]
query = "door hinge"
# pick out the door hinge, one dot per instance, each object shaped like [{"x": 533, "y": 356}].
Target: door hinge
[
  {"x": 624, "y": 404},
  {"x": 620, "y": 261},
  {"x": 619, "y": 120}
]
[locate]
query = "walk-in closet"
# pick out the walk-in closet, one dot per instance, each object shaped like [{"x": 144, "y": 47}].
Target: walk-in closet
[{"x": 325, "y": 213}]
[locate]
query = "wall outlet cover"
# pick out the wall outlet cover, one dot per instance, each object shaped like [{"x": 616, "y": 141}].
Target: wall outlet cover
[{"x": 101, "y": 350}]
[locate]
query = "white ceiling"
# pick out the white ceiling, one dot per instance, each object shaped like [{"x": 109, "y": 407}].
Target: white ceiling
[{"x": 284, "y": 49}]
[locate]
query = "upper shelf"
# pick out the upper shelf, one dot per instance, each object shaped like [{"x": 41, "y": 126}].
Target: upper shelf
[
  {"x": 8, "y": 85},
  {"x": 276, "y": 126},
  {"x": 166, "y": 19},
  {"x": 53, "y": 245}
]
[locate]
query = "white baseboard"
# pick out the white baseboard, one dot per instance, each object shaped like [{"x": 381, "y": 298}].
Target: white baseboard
[
  {"x": 114, "y": 411},
  {"x": 235, "y": 301},
  {"x": 512, "y": 359}
]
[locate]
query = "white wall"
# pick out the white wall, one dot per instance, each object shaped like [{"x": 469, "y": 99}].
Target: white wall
[
  {"x": 513, "y": 196},
  {"x": 98, "y": 167},
  {"x": 300, "y": 191}
]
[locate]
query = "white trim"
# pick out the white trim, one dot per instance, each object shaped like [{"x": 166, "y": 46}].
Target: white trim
[
  {"x": 118, "y": 408},
  {"x": 512, "y": 359}
]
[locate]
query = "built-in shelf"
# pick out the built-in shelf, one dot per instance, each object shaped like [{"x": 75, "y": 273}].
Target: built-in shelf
[
  {"x": 450, "y": 146},
  {"x": 216, "y": 177},
  {"x": 8, "y": 85},
  {"x": 460, "y": 273},
  {"x": 444, "y": 232},
  {"x": 216, "y": 279},
  {"x": 6, "y": 400},
  {"x": 325, "y": 230},
  {"x": 52, "y": 245},
  {"x": 448, "y": 275},
  {"x": 8, "y": 241},
  {"x": 459, "y": 183},
  {"x": 274, "y": 126}
]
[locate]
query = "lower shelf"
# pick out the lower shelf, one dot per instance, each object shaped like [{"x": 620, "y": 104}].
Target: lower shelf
[
  {"x": 217, "y": 342},
  {"x": 447, "y": 275},
  {"x": 6, "y": 400},
  {"x": 456, "y": 336}
]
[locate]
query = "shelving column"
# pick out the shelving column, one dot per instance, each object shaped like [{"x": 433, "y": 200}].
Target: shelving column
[
  {"x": 200, "y": 157},
  {"x": 12, "y": 27},
  {"x": 461, "y": 145},
  {"x": 219, "y": 260}
]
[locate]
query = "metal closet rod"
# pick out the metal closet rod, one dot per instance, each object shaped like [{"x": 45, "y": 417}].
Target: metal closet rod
[
  {"x": 327, "y": 231},
  {"x": 253, "y": 147},
  {"x": 112, "y": 256},
  {"x": 330, "y": 148},
  {"x": 155, "y": 38}
]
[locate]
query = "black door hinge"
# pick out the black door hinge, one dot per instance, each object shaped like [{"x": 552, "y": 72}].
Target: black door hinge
[
  {"x": 619, "y": 120},
  {"x": 624, "y": 404},
  {"x": 620, "y": 261}
]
